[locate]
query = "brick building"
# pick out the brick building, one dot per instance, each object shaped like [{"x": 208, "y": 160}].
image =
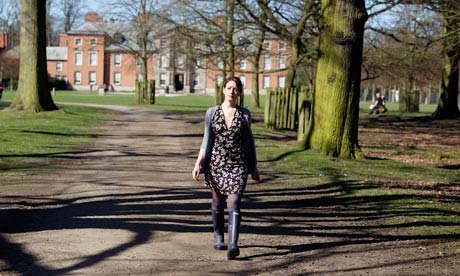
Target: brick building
[{"x": 96, "y": 55}]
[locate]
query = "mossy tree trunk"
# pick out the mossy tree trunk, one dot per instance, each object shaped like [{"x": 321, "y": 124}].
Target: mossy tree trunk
[
  {"x": 33, "y": 93},
  {"x": 448, "y": 102},
  {"x": 333, "y": 127}
]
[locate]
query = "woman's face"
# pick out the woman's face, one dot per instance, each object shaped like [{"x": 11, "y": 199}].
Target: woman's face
[{"x": 231, "y": 92}]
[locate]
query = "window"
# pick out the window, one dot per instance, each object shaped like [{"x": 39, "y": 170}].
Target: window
[
  {"x": 163, "y": 61},
  {"x": 196, "y": 63},
  {"x": 220, "y": 63},
  {"x": 117, "y": 78},
  {"x": 267, "y": 45},
  {"x": 77, "y": 77},
  {"x": 58, "y": 66},
  {"x": 281, "y": 81},
  {"x": 117, "y": 60},
  {"x": 162, "y": 79},
  {"x": 195, "y": 79},
  {"x": 92, "y": 41},
  {"x": 92, "y": 58},
  {"x": 219, "y": 79},
  {"x": 243, "y": 80},
  {"x": 243, "y": 63},
  {"x": 78, "y": 56},
  {"x": 266, "y": 81},
  {"x": 180, "y": 61},
  {"x": 138, "y": 61},
  {"x": 163, "y": 43},
  {"x": 78, "y": 42},
  {"x": 140, "y": 77},
  {"x": 282, "y": 46},
  {"x": 92, "y": 77},
  {"x": 281, "y": 62},
  {"x": 267, "y": 62}
]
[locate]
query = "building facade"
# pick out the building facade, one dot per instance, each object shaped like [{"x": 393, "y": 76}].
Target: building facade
[{"x": 96, "y": 55}]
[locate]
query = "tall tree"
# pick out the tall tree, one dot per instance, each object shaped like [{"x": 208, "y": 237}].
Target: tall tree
[
  {"x": 33, "y": 93},
  {"x": 290, "y": 21},
  {"x": 449, "y": 12},
  {"x": 143, "y": 23},
  {"x": 9, "y": 21},
  {"x": 333, "y": 127},
  {"x": 71, "y": 11}
]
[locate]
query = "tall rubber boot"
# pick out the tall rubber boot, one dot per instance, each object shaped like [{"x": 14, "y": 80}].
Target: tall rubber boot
[
  {"x": 234, "y": 220},
  {"x": 218, "y": 226}
]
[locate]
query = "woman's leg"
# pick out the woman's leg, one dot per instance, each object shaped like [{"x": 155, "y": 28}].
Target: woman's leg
[
  {"x": 218, "y": 221},
  {"x": 234, "y": 219}
]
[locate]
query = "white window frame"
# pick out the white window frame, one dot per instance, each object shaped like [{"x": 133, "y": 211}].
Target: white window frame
[
  {"x": 163, "y": 61},
  {"x": 77, "y": 77},
  {"x": 78, "y": 58},
  {"x": 267, "y": 45},
  {"x": 92, "y": 74},
  {"x": 220, "y": 62},
  {"x": 116, "y": 78},
  {"x": 243, "y": 80},
  {"x": 78, "y": 41},
  {"x": 117, "y": 59},
  {"x": 140, "y": 76},
  {"x": 243, "y": 63},
  {"x": 163, "y": 79},
  {"x": 93, "y": 41},
  {"x": 281, "y": 81},
  {"x": 58, "y": 66},
  {"x": 266, "y": 82},
  {"x": 219, "y": 79},
  {"x": 281, "y": 61},
  {"x": 163, "y": 43},
  {"x": 90, "y": 60},
  {"x": 282, "y": 46},
  {"x": 195, "y": 79},
  {"x": 267, "y": 62}
]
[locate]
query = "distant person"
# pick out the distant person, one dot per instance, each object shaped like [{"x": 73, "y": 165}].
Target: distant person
[
  {"x": 227, "y": 156},
  {"x": 167, "y": 89},
  {"x": 379, "y": 105}
]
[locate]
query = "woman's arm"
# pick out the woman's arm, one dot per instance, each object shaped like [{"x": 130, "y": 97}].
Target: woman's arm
[{"x": 196, "y": 169}]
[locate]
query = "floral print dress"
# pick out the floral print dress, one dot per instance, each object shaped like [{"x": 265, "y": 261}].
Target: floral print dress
[{"x": 228, "y": 171}]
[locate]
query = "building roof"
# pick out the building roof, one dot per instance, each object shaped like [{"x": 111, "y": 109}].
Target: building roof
[{"x": 56, "y": 53}]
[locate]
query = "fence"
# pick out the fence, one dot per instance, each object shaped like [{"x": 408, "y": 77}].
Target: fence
[
  {"x": 145, "y": 96},
  {"x": 287, "y": 109}
]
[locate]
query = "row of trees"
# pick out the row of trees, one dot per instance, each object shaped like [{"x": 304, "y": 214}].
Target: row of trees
[{"x": 326, "y": 39}]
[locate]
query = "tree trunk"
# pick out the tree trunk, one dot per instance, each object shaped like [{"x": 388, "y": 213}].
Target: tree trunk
[
  {"x": 33, "y": 94},
  {"x": 255, "y": 102},
  {"x": 291, "y": 72},
  {"x": 448, "y": 101},
  {"x": 333, "y": 128}
]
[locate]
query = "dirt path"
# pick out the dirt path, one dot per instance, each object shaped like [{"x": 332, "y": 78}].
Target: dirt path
[{"x": 126, "y": 205}]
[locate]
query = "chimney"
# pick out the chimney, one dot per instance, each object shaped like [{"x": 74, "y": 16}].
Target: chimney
[
  {"x": 93, "y": 17},
  {"x": 3, "y": 40}
]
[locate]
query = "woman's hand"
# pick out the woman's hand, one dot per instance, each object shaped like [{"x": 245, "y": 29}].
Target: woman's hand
[
  {"x": 256, "y": 175},
  {"x": 196, "y": 173}
]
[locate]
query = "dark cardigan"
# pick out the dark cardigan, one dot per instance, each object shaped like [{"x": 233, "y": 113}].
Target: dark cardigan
[{"x": 248, "y": 140}]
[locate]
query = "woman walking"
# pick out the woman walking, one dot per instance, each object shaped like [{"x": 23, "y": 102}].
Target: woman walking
[{"x": 227, "y": 156}]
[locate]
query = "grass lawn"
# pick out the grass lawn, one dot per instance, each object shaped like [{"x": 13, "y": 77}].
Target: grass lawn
[{"x": 48, "y": 134}]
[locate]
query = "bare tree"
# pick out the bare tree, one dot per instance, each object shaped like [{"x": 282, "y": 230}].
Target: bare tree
[
  {"x": 9, "y": 21},
  {"x": 143, "y": 22},
  {"x": 71, "y": 10},
  {"x": 33, "y": 94},
  {"x": 292, "y": 21}
]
